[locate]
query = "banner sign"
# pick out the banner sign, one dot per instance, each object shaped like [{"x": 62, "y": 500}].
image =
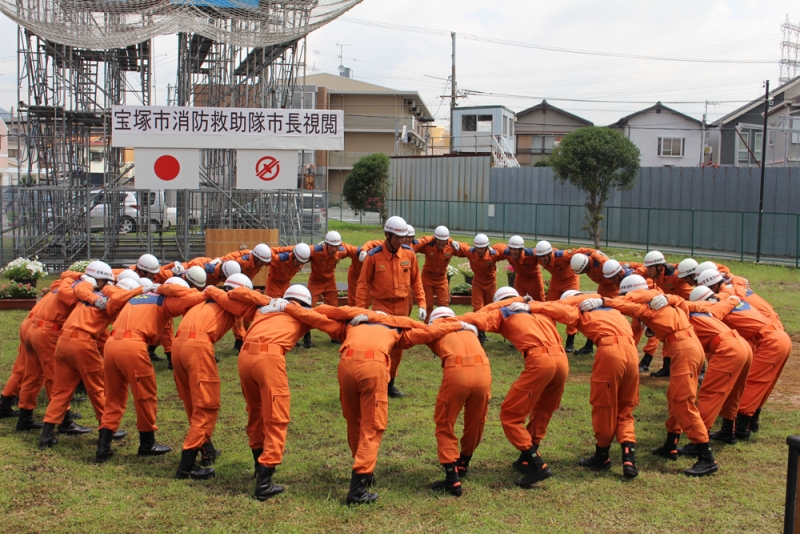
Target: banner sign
[
  {"x": 167, "y": 168},
  {"x": 226, "y": 128},
  {"x": 266, "y": 169}
]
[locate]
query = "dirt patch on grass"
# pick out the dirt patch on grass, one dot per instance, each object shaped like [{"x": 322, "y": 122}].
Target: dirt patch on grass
[{"x": 787, "y": 390}]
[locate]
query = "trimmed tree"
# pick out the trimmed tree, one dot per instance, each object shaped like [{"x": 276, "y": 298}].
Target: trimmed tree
[
  {"x": 597, "y": 161},
  {"x": 366, "y": 186}
]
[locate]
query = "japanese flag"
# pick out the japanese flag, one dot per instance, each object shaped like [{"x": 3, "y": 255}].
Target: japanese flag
[{"x": 169, "y": 168}]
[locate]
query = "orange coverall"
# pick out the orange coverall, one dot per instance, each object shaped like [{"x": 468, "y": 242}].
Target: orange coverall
[
  {"x": 614, "y": 390},
  {"x": 729, "y": 359},
  {"x": 354, "y": 272},
  {"x": 670, "y": 284},
  {"x": 12, "y": 387},
  {"x": 281, "y": 271},
  {"x": 741, "y": 289},
  {"x": 164, "y": 273},
  {"x": 672, "y": 326},
  {"x": 322, "y": 280},
  {"x": 528, "y": 279},
  {"x": 40, "y": 342},
  {"x": 195, "y": 368},
  {"x": 538, "y": 390},
  {"x": 126, "y": 359},
  {"x": 392, "y": 279},
  {"x": 772, "y": 349},
  {"x": 562, "y": 277},
  {"x": 434, "y": 270},
  {"x": 606, "y": 287},
  {"x": 484, "y": 267},
  {"x": 247, "y": 262},
  {"x": 78, "y": 354},
  {"x": 651, "y": 344},
  {"x": 363, "y": 370}
]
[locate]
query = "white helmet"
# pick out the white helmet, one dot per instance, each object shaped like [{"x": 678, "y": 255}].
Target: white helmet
[
  {"x": 441, "y": 311},
  {"x": 99, "y": 271},
  {"x": 396, "y": 225},
  {"x": 237, "y": 280},
  {"x": 504, "y": 293},
  {"x": 543, "y": 248},
  {"x": 687, "y": 268},
  {"x": 230, "y": 267},
  {"x": 175, "y": 281},
  {"x": 579, "y": 262},
  {"x": 611, "y": 268},
  {"x": 262, "y": 252},
  {"x": 705, "y": 266},
  {"x": 480, "y": 241},
  {"x": 333, "y": 238},
  {"x": 148, "y": 263},
  {"x": 700, "y": 293},
  {"x": 411, "y": 231},
  {"x": 130, "y": 275},
  {"x": 144, "y": 282},
  {"x": 300, "y": 293},
  {"x": 654, "y": 257},
  {"x": 302, "y": 252},
  {"x": 516, "y": 241},
  {"x": 569, "y": 293},
  {"x": 441, "y": 232},
  {"x": 128, "y": 284},
  {"x": 709, "y": 277},
  {"x": 632, "y": 283},
  {"x": 196, "y": 275}
]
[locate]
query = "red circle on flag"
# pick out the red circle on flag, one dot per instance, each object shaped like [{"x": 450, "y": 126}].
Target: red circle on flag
[
  {"x": 167, "y": 167},
  {"x": 268, "y": 168}
]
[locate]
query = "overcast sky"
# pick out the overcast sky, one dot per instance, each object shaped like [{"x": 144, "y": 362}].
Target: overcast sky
[{"x": 410, "y": 56}]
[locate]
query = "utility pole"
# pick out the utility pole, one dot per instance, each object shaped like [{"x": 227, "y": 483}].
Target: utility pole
[
  {"x": 763, "y": 169},
  {"x": 452, "y": 92}
]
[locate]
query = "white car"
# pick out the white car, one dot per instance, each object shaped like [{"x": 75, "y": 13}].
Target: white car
[{"x": 132, "y": 214}]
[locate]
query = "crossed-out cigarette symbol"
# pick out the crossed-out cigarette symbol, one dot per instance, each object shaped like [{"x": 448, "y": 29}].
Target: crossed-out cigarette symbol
[{"x": 268, "y": 168}]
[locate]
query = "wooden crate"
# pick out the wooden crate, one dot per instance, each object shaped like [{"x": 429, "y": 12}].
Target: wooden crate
[{"x": 221, "y": 241}]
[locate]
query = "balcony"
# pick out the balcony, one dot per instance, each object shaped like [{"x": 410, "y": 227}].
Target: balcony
[{"x": 367, "y": 123}]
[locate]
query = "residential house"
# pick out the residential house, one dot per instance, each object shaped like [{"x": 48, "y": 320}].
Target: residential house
[
  {"x": 540, "y": 128},
  {"x": 665, "y": 137},
  {"x": 737, "y": 138}
]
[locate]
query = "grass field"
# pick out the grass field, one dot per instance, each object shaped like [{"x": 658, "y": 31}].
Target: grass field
[{"x": 63, "y": 490}]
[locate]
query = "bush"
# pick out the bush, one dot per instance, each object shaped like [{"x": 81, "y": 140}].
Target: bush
[
  {"x": 14, "y": 290},
  {"x": 79, "y": 266},
  {"x": 461, "y": 289},
  {"x": 23, "y": 269}
]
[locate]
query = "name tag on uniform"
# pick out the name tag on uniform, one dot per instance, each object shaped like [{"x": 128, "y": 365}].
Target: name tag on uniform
[
  {"x": 381, "y": 266},
  {"x": 405, "y": 263}
]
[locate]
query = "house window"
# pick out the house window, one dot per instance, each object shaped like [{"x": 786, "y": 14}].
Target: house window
[
  {"x": 468, "y": 123},
  {"x": 484, "y": 123},
  {"x": 12, "y": 153},
  {"x": 671, "y": 146},
  {"x": 758, "y": 139},
  {"x": 505, "y": 126},
  {"x": 744, "y": 154}
]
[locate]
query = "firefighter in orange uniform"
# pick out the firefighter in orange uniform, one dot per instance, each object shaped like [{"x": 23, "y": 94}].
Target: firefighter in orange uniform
[
  {"x": 217, "y": 271},
  {"x": 671, "y": 325},
  {"x": 536, "y": 394},
  {"x": 12, "y": 387},
  {"x": 437, "y": 249},
  {"x": 528, "y": 276},
  {"x": 284, "y": 266},
  {"x": 126, "y": 362},
  {"x": 354, "y": 271},
  {"x": 483, "y": 262},
  {"x": 78, "y": 355},
  {"x": 591, "y": 264},
  {"x": 391, "y": 274},
  {"x": 196, "y": 375},
  {"x": 251, "y": 262}
]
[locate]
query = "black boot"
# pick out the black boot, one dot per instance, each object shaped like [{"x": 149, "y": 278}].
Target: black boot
[
  {"x": 690, "y": 449},
  {"x": 664, "y": 371},
  {"x": 48, "y": 436},
  {"x": 307, "y": 341},
  {"x": 264, "y": 486},
  {"x": 393, "y": 391},
  {"x": 68, "y": 426},
  {"x": 153, "y": 356},
  {"x": 188, "y": 469},
  {"x": 725, "y": 433},
  {"x": 669, "y": 449},
  {"x": 481, "y": 336},
  {"x": 537, "y": 470},
  {"x": 754, "y": 421},
  {"x": 644, "y": 365},
  {"x": 169, "y": 360},
  {"x": 629, "y": 460},
  {"x": 358, "y": 493},
  {"x": 104, "y": 451},
  {"x": 570, "y": 343},
  {"x": 148, "y": 445},
  {"x": 5, "y": 407},
  {"x": 521, "y": 463},
  {"x": 451, "y": 483},
  {"x": 256, "y": 454},
  {"x": 209, "y": 454},
  {"x": 586, "y": 349},
  {"x": 600, "y": 460},
  {"x": 26, "y": 422},
  {"x": 706, "y": 464},
  {"x": 119, "y": 434},
  {"x": 237, "y": 345},
  {"x": 742, "y": 426},
  {"x": 462, "y": 465}
]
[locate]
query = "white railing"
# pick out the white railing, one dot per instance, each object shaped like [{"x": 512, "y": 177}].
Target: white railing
[{"x": 502, "y": 155}]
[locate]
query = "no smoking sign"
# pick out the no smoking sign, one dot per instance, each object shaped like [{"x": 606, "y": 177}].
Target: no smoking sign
[{"x": 266, "y": 169}]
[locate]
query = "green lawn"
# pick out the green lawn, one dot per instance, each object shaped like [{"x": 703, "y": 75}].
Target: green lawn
[{"x": 63, "y": 490}]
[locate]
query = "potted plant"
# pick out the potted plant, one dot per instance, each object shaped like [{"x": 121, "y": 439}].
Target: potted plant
[
  {"x": 466, "y": 270},
  {"x": 16, "y": 296},
  {"x": 342, "y": 297},
  {"x": 511, "y": 274},
  {"x": 79, "y": 266},
  {"x": 24, "y": 271},
  {"x": 451, "y": 272},
  {"x": 461, "y": 293}
]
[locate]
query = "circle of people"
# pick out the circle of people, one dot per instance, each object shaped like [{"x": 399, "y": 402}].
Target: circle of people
[{"x": 699, "y": 312}]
